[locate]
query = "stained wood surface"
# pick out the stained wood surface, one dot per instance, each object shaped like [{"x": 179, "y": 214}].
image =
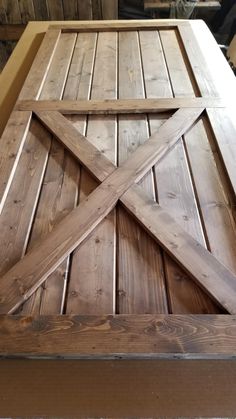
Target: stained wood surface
[
  {"x": 116, "y": 87},
  {"x": 23, "y": 11},
  {"x": 175, "y": 185},
  {"x": 118, "y": 106},
  {"x": 34, "y": 268},
  {"x": 123, "y": 336},
  {"x": 92, "y": 284}
]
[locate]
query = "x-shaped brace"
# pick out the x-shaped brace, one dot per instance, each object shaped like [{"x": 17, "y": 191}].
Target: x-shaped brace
[{"x": 20, "y": 282}]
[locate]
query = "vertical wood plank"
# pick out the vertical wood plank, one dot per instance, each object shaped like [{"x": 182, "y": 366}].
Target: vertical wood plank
[
  {"x": 198, "y": 63},
  {"x": 26, "y": 10},
  {"x": 41, "y": 10},
  {"x": 70, "y": 9},
  {"x": 224, "y": 134},
  {"x": 204, "y": 184},
  {"x": 109, "y": 9},
  {"x": 36, "y": 77},
  {"x": 53, "y": 88},
  {"x": 91, "y": 287},
  {"x": 55, "y": 9},
  {"x": 3, "y": 14},
  {"x": 85, "y": 9},
  {"x": 214, "y": 202},
  {"x": 141, "y": 287},
  {"x": 12, "y": 11},
  {"x": 180, "y": 80},
  {"x": 52, "y": 296},
  {"x": 97, "y": 9},
  {"x": 18, "y": 124},
  {"x": 17, "y": 213},
  {"x": 174, "y": 186}
]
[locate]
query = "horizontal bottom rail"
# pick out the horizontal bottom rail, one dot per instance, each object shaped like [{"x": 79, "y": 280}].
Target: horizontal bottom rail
[{"x": 119, "y": 336}]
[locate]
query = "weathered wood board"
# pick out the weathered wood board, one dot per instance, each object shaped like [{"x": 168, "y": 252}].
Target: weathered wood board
[
  {"x": 23, "y": 11},
  {"x": 117, "y": 200}
]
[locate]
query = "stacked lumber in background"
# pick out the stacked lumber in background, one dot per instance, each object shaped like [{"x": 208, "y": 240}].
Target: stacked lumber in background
[
  {"x": 18, "y": 11},
  {"x": 15, "y": 14}
]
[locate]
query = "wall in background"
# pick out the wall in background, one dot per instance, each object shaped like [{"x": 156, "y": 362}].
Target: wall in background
[{"x": 22, "y": 11}]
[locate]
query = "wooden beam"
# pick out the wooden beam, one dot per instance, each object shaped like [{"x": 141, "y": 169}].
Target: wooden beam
[
  {"x": 97, "y": 164},
  {"x": 34, "y": 81},
  {"x": 11, "y": 32},
  {"x": 126, "y": 336},
  {"x": 119, "y": 25},
  {"x": 112, "y": 107},
  {"x": 26, "y": 276}
]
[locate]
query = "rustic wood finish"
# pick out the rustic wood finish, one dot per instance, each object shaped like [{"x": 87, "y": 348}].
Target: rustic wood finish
[
  {"x": 121, "y": 106},
  {"x": 117, "y": 223},
  {"x": 16, "y": 12},
  {"x": 25, "y": 277},
  {"x": 126, "y": 336}
]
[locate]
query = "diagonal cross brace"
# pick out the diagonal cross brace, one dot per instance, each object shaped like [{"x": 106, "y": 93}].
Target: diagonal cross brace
[{"x": 28, "y": 274}]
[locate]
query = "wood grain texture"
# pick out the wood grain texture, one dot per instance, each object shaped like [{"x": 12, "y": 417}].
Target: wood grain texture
[
  {"x": 181, "y": 82},
  {"x": 213, "y": 198},
  {"x": 198, "y": 63},
  {"x": 194, "y": 183},
  {"x": 12, "y": 10},
  {"x": 58, "y": 192},
  {"x": 23, "y": 11},
  {"x": 85, "y": 9},
  {"x": 206, "y": 266},
  {"x": 19, "y": 123},
  {"x": 175, "y": 187},
  {"x": 119, "y": 25},
  {"x": 61, "y": 186},
  {"x": 135, "y": 199},
  {"x": 55, "y": 9},
  {"x": 70, "y": 9},
  {"x": 126, "y": 336},
  {"x": 74, "y": 141},
  {"x": 121, "y": 106},
  {"x": 10, "y": 150},
  {"x": 140, "y": 282},
  {"x": 15, "y": 224},
  {"x": 26, "y": 10},
  {"x": 41, "y": 9},
  {"x": 92, "y": 281},
  {"x": 34, "y": 82},
  {"x": 131, "y": 201},
  {"x": 45, "y": 258},
  {"x": 224, "y": 133},
  {"x": 109, "y": 9}
]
